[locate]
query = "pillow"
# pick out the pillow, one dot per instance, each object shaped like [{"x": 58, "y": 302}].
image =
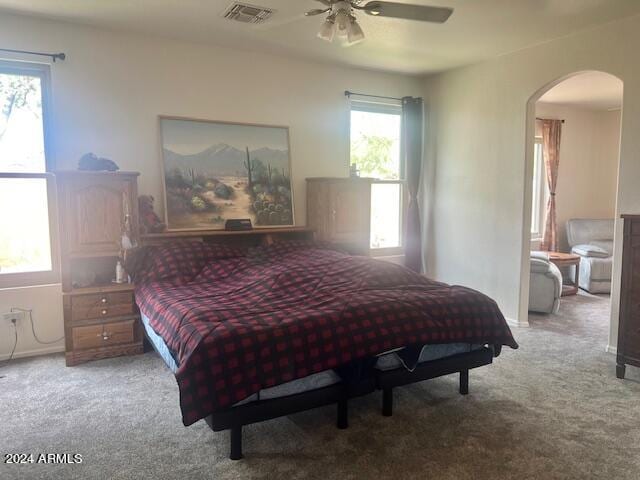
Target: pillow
[
  {"x": 585, "y": 250},
  {"x": 135, "y": 261},
  {"x": 182, "y": 260},
  {"x": 288, "y": 246},
  {"x": 604, "y": 244}
]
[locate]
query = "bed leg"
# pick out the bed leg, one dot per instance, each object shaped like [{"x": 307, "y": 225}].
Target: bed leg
[
  {"x": 464, "y": 382},
  {"x": 387, "y": 402},
  {"x": 620, "y": 370},
  {"x": 236, "y": 443},
  {"x": 343, "y": 414}
]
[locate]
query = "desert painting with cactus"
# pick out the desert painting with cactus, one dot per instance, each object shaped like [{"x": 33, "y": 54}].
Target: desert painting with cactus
[{"x": 216, "y": 171}]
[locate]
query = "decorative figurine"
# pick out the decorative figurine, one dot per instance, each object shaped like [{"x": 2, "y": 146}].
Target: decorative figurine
[
  {"x": 149, "y": 220},
  {"x": 91, "y": 162}
]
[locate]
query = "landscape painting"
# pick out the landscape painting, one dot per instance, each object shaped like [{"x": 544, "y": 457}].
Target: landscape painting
[{"x": 216, "y": 171}]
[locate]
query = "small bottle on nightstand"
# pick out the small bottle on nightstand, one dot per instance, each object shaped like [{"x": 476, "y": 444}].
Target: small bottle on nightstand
[{"x": 121, "y": 276}]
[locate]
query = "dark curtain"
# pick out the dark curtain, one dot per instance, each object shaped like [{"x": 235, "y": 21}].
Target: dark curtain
[{"x": 412, "y": 131}]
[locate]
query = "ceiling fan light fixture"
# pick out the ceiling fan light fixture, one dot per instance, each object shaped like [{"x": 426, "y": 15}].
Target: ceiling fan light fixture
[
  {"x": 327, "y": 30},
  {"x": 343, "y": 22},
  {"x": 355, "y": 33}
]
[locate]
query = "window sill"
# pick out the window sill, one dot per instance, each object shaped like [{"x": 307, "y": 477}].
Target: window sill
[
  {"x": 14, "y": 284},
  {"x": 386, "y": 252},
  {"x": 13, "y": 289}
]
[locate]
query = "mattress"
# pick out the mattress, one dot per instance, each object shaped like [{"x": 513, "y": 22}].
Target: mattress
[
  {"x": 386, "y": 361},
  {"x": 159, "y": 346},
  {"x": 391, "y": 360},
  {"x": 311, "y": 382}
]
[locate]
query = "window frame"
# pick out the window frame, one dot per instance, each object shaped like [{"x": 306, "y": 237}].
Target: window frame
[
  {"x": 48, "y": 277},
  {"x": 42, "y": 71},
  {"x": 399, "y": 250},
  {"x": 539, "y": 192},
  {"x": 369, "y": 106}
]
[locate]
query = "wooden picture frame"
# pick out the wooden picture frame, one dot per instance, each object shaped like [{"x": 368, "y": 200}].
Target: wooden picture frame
[{"x": 213, "y": 171}]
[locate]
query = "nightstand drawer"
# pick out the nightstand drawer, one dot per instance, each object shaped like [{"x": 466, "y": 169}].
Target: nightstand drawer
[
  {"x": 89, "y": 307},
  {"x": 103, "y": 335},
  {"x": 101, "y": 299},
  {"x": 88, "y": 313}
]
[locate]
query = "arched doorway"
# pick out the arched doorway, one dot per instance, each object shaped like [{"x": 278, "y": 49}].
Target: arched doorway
[{"x": 590, "y": 90}]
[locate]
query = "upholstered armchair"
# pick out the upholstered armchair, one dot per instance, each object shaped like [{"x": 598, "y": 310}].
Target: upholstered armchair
[
  {"x": 593, "y": 241},
  {"x": 545, "y": 286}
]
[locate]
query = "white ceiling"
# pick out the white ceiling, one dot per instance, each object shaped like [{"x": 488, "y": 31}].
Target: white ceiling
[
  {"x": 477, "y": 30},
  {"x": 593, "y": 90}
]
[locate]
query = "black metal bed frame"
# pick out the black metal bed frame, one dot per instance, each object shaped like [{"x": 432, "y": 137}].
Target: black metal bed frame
[{"x": 235, "y": 418}]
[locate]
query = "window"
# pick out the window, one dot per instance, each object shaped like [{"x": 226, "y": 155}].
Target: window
[
  {"x": 539, "y": 192},
  {"x": 27, "y": 256},
  {"x": 375, "y": 151}
]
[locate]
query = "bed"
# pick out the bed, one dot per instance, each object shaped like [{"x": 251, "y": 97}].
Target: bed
[{"x": 253, "y": 334}]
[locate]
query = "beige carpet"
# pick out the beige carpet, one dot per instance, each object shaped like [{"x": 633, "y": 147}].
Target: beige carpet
[{"x": 551, "y": 410}]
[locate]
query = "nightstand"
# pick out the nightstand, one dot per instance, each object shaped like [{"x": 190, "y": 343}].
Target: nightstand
[
  {"x": 101, "y": 318},
  {"x": 101, "y": 322}
]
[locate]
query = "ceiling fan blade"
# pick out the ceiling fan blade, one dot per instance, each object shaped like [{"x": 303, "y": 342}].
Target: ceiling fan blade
[
  {"x": 325, "y": 2},
  {"x": 408, "y": 12},
  {"x": 318, "y": 11}
]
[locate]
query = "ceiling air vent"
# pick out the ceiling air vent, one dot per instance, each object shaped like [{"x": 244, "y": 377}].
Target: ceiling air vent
[{"x": 245, "y": 13}]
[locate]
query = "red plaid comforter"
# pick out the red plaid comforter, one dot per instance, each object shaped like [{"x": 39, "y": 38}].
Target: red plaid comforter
[{"x": 251, "y": 322}]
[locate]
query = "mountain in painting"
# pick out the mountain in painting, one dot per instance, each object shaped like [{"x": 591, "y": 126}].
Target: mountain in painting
[
  {"x": 223, "y": 160},
  {"x": 277, "y": 158}
]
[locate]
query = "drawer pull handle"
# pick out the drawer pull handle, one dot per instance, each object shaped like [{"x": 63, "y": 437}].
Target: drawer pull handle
[
  {"x": 103, "y": 299},
  {"x": 104, "y": 311}
]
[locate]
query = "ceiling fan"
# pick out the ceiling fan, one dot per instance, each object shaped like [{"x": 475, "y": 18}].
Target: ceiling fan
[{"x": 342, "y": 21}]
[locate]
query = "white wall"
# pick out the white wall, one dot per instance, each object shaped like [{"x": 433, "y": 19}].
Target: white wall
[
  {"x": 588, "y": 172},
  {"x": 109, "y": 92},
  {"x": 478, "y": 137},
  {"x": 46, "y": 303}
]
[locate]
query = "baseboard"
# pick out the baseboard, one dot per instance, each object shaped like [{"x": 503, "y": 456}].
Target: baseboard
[
  {"x": 515, "y": 323},
  {"x": 35, "y": 353},
  {"x": 611, "y": 349}
]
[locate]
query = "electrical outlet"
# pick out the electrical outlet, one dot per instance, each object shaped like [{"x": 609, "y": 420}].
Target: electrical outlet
[{"x": 14, "y": 317}]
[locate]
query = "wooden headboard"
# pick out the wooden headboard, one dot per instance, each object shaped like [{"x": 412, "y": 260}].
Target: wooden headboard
[{"x": 249, "y": 238}]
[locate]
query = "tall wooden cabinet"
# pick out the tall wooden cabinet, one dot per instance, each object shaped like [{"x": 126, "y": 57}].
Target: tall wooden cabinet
[
  {"x": 339, "y": 210},
  {"x": 100, "y": 316},
  {"x": 629, "y": 325}
]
